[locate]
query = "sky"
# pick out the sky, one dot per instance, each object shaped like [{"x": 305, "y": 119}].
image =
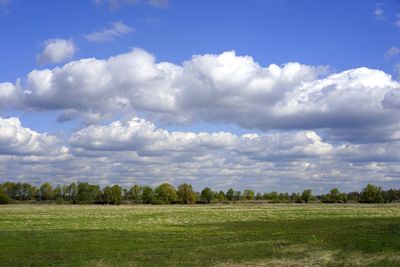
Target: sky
[{"x": 265, "y": 94}]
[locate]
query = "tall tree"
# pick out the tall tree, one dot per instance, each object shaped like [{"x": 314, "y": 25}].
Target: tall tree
[
  {"x": 230, "y": 194},
  {"x": 307, "y": 196},
  {"x": 207, "y": 195},
  {"x": 135, "y": 193},
  {"x": 371, "y": 194},
  {"x": 147, "y": 195},
  {"x": 248, "y": 194},
  {"x": 186, "y": 194},
  {"x": 88, "y": 193},
  {"x": 166, "y": 193},
  {"x": 116, "y": 195},
  {"x": 46, "y": 192}
]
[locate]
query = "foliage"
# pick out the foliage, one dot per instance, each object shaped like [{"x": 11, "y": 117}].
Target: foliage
[
  {"x": 86, "y": 193},
  {"x": 371, "y": 194},
  {"x": 4, "y": 199},
  {"x": 230, "y": 194},
  {"x": 147, "y": 195},
  {"x": 166, "y": 193},
  {"x": 207, "y": 195},
  {"x": 186, "y": 194},
  {"x": 135, "y": 193},
  {"x": 248, "y": 194},
  {"x": 306, "y": 196},
  {"x": 46, "y": 192},
  {"x": 334, "y": 196}
]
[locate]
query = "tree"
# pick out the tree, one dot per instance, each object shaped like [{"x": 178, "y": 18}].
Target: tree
[
  {"x": 371, "y": 194},
  {"x": 147, "y": 195},
  {"x": 259, "y": 196},
  {"x": 88, "y": 193},
  {"x": 237, "y": 196},
  {"x": 230, "y": 194},
  {"x": 107, "y": 195},
  {"x": 295, "y": 198},
  {"x": 306, "y": 196},
  {"x": 186, "y": 194},
  {"x": 116, "y": 192},
  {"x": 354, "y": 196},
  {"x": 272, "y": 197},
  {"x": 71, "y": 192},
  {"x": 207, "y": 195},
  {"x": 58, "y": 193},
  {"x": 135, "y": 193},
  {"x": 334, "y": 196},
  {"x": 390, "y": 195},
  {"x": 4, "y": 199},
  {"x": 248, "y": 194},
  {"x": 46, "y": 192},
  {"x": 166, "y": 193},
  {"x": 221, "y": 196},
  {"x": 28, "y": 191}
]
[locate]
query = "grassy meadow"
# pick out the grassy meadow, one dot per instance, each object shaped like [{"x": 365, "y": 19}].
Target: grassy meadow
[{"x": 209, "y": 235}]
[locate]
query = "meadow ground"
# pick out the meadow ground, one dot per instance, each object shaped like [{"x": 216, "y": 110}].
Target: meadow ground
[{"x": 209, "y": 235}]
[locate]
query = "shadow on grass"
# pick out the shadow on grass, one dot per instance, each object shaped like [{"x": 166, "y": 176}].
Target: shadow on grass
[{"x": 330, "y": 241}]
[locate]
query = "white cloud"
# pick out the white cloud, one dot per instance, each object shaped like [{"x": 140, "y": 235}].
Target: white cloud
[
  {"x": 117, "y": 29},
  {"x": 136, "y": 151},
  {"x": 223, "y": 88},
  {"x": 144, "y": 138},
  {"x": 56, "y": 51},
  {"x": 17, "y": 140},
  {"x": 10, "y": 95}
]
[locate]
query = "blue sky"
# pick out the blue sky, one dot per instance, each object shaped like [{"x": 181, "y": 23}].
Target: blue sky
[
  {"x": 326, "y": 38},
  {"x": 341, "y": 34}
]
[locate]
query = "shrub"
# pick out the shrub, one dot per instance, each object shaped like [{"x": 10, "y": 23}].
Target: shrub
[{"x": 4, "y": 199}]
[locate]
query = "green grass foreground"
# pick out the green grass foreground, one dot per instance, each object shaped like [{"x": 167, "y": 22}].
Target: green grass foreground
[{"x": 209, "y": 235}]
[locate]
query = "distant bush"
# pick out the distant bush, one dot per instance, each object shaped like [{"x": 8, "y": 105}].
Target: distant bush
[{"x": 4, "y": 199}]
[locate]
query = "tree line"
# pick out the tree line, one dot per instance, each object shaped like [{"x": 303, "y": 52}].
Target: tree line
[{"x": 85, "y": 193}]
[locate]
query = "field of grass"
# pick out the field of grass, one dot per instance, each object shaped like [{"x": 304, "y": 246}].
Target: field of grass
[{"x": 209, "y": 235}]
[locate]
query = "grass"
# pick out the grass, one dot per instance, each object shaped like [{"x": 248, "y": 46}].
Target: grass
[{"x": 209, "y": 235}]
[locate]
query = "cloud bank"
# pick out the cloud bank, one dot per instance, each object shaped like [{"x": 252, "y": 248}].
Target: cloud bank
[
  {"x": 135, "y": 150},
  {"x": 225, "y": 88}
]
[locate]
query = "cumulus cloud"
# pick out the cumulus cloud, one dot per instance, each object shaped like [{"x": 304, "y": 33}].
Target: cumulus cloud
[
  {"x": 117, "y": 29},
  {"x": 224, "y": 88},
  {"x": 10, "y": 95},
  {"x": 143, "y": 137},
  {"x": 17, "y": 140},
  {"x": 56, "y": 51}
]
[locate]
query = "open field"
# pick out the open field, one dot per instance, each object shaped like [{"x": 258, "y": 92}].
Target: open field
[{"x": 209, "y": 235}]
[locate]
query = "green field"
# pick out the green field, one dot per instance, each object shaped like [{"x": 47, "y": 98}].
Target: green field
[{"x": 209, "y": 235}]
